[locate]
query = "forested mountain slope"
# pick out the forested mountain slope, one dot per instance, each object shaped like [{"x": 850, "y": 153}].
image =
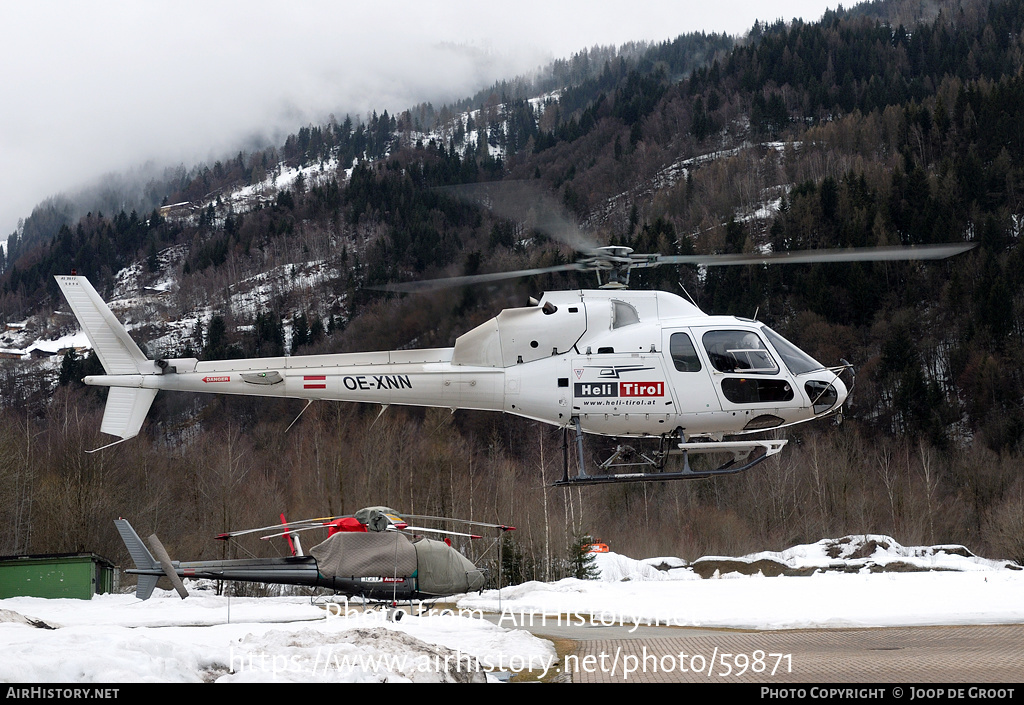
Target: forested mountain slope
[{"x": 843, "y": 132}]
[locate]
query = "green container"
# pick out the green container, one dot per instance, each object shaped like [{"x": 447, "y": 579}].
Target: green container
[{"x": 77, "y": 575}]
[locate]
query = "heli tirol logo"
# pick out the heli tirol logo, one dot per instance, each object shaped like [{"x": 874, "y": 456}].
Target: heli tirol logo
[
  {"x": 609, "y": 389},
  {"x": 619, "y": 389}
]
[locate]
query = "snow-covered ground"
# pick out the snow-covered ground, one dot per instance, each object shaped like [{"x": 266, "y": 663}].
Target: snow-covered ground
[
  {"x": 117, "y": 638},
  {"x": 866, "y": 581}
]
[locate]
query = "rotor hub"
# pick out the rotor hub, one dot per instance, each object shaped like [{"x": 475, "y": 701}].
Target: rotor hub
[{"x": 612, "y": 264}]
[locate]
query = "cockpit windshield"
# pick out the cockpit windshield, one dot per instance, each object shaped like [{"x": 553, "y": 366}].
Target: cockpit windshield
[{"x": 796, "y": 359}]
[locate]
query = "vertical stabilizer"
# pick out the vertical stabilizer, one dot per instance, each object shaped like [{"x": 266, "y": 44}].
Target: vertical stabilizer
[
  {"x": 114, "y": 347},
  {"x": 126, "y": 406},
  {"x": 142, "y": 558},
  {"x": 125, "y": 411}
]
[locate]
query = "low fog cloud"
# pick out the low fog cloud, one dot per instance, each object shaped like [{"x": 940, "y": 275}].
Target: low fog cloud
[{"x": 91, "y": 88}]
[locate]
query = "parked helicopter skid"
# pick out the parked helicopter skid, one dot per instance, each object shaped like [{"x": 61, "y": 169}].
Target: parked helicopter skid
[
  {"x": 372, "y": 557},
  {"x": 609, "y": 361}
]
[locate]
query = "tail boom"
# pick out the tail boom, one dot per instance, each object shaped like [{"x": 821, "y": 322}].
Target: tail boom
[
  {"x": 415, "y": 377},
  {"x": 425, "y": 377},
  {"x": 293, "y": 571}
]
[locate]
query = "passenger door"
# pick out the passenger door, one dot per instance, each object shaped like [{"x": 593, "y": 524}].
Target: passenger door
[
  {"x": 693, "y": 392},
  {"x": 745, "y": 374}
]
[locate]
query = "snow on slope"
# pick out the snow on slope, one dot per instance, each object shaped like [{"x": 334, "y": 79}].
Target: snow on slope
[
  {"x": 869, "y": 551},
  {"x": 864, "y": 553}
]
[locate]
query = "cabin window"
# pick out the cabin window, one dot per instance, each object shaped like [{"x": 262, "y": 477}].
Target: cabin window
[
  {"x": 623, "y": 314},
  {"x": 752, "y": 390},
  {"x": 823, "y": 395},
  {"x": 738, "y": 351},
  {"x": 684, "y": 355}
]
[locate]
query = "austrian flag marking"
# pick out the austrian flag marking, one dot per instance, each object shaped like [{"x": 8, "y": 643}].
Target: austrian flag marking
[{"x": 314, "y": 382}]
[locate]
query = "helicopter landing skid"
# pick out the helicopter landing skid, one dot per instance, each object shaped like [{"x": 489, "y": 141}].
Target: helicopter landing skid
[{"x": 745, "y": 455}]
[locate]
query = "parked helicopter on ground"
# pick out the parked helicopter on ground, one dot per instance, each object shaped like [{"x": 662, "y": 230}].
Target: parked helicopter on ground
[
  {"x": 373, "y": 554},
  {"x": 607, "y": 361}
]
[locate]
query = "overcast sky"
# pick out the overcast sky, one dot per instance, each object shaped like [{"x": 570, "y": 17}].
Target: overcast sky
[{"x": 94, "y": 87}]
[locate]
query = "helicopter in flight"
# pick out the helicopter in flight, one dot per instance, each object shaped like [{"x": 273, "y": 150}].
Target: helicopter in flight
[{"x": 608, "y": 361}]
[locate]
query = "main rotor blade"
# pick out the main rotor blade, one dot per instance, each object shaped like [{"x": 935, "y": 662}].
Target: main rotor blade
[
  {"x": 436, "y": 284},
  {"x": 293, "y": 531},
  {"x": 526, "y": 202},
  {"x": 441, "y": 531},
  {"x": 291, "y": 524},
  {"x": 459, "y": 521},
  {"x": 852, "y": 254}
]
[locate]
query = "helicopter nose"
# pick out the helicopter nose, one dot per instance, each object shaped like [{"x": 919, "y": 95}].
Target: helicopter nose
[
  {"x": 841, "y": 393},
  {"x": 826, "y": 393}
]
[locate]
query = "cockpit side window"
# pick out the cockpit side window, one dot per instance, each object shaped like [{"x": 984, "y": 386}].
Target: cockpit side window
[
  {"x": 684, "y": 355},
  {"x": 796, "y": 359},
  {"x": 623, "y": 314},
  {"x": 738, "y": 351}
]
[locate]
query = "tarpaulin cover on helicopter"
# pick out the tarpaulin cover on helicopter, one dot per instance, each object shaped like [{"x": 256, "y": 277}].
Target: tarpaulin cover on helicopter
[{"x": 377, "y": 564}]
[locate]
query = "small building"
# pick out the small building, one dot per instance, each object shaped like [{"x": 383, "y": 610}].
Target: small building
[
  {"x": 70, "y": 575},
  {"x": 175, "y": 210}
]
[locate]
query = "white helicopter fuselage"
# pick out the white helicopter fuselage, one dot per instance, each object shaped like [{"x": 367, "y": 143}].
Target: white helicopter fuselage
[{"x": 617, "y": 362}]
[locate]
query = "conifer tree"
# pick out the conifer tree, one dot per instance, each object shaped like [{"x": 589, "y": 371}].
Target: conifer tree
[{"x": 583, "y": 563}]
